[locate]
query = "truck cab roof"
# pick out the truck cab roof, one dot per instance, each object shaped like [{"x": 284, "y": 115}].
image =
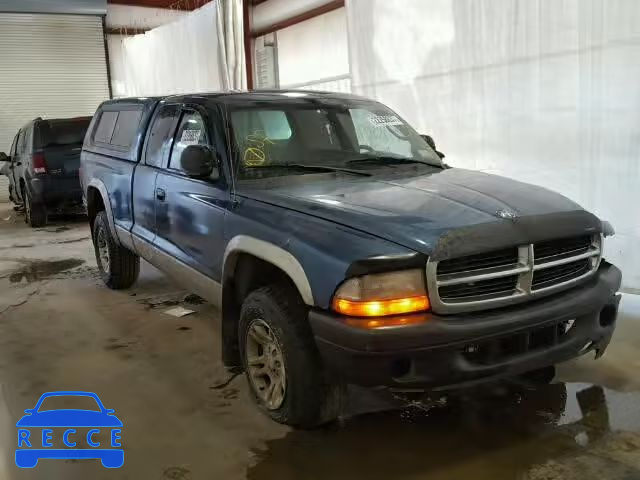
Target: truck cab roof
[{"x": 242, "y": 96}]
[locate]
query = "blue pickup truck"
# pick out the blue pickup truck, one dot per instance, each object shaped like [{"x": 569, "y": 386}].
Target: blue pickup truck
[{"x": 340, "y": 248}]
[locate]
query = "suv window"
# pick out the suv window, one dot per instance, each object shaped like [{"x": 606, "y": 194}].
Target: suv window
[
  {"x": 161, "y": 134},
  {"x": 191, "y": 131},
  {"x": 126, "y": 128},
  {"x": 104, "y": 130},
  {"x": 61, "y": 132}
]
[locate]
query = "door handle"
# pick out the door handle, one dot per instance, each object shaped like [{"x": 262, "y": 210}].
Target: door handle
[{"x": 161, "y": 194}]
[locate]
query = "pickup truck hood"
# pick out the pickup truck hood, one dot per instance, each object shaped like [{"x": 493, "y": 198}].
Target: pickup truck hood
[{"x": 441, "y": 213}]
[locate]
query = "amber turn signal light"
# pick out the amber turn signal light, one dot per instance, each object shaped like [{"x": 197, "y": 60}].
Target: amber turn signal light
[{"x": 381, "y": 308}]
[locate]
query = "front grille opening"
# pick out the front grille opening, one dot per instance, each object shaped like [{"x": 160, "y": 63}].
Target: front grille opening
[
  {"x": 494, "y": 286},
  {"x": 510, "y": 275},
  {"x": 501, "y": 349},
  {"x": 561, "y": 248},
  {"x": 497, "y": 258},
  {"x": 560, "y": 273}
]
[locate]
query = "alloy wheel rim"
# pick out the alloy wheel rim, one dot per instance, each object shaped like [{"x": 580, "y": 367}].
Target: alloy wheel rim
[
  {"x": 265, "y": 364},
  {"x": 103, "y": 250}
]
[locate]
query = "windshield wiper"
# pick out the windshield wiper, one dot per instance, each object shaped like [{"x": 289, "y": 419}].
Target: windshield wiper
[
  {"x": 317, "y": 168},
  {"x": 387, "y": 160}
]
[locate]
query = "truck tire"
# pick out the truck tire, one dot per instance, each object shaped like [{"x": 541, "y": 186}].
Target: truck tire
[
  {"x": 283, "y": 368},
  {"x": 118, "y": 266},
  {"x": 35, "y": 214}
]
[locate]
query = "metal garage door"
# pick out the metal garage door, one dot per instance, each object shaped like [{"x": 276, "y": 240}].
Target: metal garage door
[{"x": 51, "y": 66}]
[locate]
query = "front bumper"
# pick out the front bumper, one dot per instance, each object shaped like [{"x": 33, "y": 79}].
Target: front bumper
[{"x": 453, "y": 350}]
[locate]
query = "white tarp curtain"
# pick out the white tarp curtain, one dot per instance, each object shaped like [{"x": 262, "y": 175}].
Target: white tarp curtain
[
  {"x": 314, "y": 52},
  {"x": 544, "y": 91},
  {"x": 201, "y": 51},
  {"x": 231, "y": 41}
]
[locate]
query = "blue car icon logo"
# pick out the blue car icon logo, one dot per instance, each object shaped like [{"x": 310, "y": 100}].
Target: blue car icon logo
[{"x": 39, "y": 428}]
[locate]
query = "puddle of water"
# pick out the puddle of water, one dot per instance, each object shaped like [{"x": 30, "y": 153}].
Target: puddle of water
[
  {"x": 492, "y": 435},
  {"x": 35, "y": 270}
]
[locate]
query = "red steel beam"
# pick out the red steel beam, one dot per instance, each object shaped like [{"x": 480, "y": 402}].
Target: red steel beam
[{"x": 248, "y": 43}]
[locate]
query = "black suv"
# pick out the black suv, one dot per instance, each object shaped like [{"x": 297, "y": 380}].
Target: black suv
[{"x": 43, "y": 167}]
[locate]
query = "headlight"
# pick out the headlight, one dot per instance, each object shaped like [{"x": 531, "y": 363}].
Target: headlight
[{"x": 381, "y": 294}]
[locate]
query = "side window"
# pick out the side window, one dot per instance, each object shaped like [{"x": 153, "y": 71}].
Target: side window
[
  {"x": 126, "y": 128},
  {"x": 21, "y": 142},
  {"x": 105, "y": 126},
  {"x": 161, "y": 134},
  {"x": 191, "y": 131},
  {"x": 12, "y": 152},
  {"x": 29, "y": 140}
]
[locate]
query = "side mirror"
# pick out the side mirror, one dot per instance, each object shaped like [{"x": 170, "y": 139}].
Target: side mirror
[
  {"x": 199, "y": 161},
  {"x": 4, "y": 157},
  {"x": 432, "y": 144}
]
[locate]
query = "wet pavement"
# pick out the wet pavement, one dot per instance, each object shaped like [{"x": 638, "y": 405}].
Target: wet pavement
[{"x": 184, "y": 417}]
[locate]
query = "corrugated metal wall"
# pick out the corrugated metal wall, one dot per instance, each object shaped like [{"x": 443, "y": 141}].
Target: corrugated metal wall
[{"x": 53, "y": 66}]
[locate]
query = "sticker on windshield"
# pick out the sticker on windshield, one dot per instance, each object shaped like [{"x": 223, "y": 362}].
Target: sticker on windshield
[
  {"x": 384, "y": 120},
  {"x": 255, "y": 154},
  {"x": 190, "y": 137}
]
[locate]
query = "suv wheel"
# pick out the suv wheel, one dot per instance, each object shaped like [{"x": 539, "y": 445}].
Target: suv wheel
[
  {"x": 119, "y": 267},
  {"x": 281, "y": 362},
  {"x": 35, "y": 215}
]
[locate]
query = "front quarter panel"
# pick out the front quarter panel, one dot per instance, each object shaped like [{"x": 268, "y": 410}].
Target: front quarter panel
[{"x": 324, "y": 250}]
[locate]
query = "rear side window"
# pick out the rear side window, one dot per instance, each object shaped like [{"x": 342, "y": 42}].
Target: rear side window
[
  {"x": 61, "y": 132},
  {"x": 104, "y": 130},
  {"x": 118, "y": 128},
  {"x": 126, "y": 128}
]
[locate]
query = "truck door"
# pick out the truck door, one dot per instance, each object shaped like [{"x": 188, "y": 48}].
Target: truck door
[
  {"x": 190, "y": 211},
  {"x": 155, "y": 151}
]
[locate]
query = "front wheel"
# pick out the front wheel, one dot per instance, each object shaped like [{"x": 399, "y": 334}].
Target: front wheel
[
  {"x": 281, "y": 362},
  {"x": 118, "y": 266}
]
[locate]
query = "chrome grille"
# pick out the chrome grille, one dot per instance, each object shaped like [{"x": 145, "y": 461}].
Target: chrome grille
[
  {"x": 506, "y": 276},
  {"x": 484, "y": 260}
]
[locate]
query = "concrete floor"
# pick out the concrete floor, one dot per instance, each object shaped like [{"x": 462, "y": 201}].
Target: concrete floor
[{"x": 61, "y": 329}]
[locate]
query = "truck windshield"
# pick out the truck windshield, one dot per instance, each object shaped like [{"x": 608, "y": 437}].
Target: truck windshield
[{"x": 276, "y": 140}]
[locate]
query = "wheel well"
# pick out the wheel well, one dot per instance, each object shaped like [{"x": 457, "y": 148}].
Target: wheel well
[
  {"x": 249, "y": 274},
  {"x": 95, "y": 204}
]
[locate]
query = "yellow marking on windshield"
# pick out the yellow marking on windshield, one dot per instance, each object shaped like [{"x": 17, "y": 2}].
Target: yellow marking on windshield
[{"x": 255, "y": 155}]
